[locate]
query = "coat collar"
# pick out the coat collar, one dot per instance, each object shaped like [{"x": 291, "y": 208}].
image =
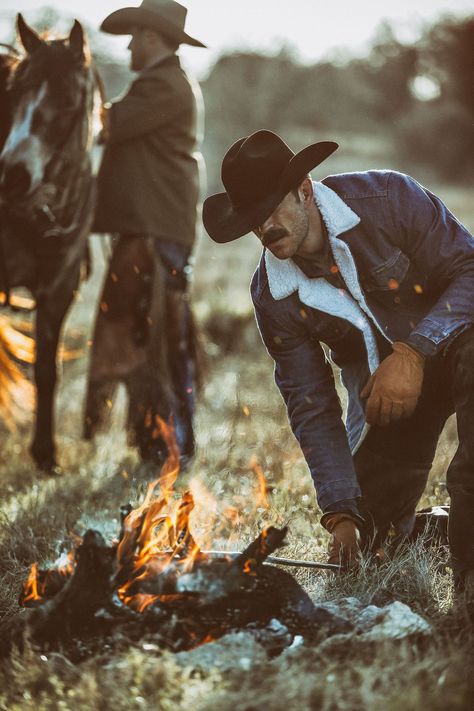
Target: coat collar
[{"x": 284, "y": 276}]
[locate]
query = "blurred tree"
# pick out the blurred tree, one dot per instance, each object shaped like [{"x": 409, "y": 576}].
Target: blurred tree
[
  {"x": 447, "y": 56},
  {"x": 389, "y": 71},
  {"x": 377, "y": 96},
  {"x": 440, "y": 130}
]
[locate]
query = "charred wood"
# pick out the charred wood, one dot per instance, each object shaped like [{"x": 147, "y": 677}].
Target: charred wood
[{"x": 195, "y": 600}]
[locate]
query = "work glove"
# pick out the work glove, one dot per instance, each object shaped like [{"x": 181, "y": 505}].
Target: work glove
[
  {"x": 393, "y": 390},
  {"x": 344, "y": 546}
]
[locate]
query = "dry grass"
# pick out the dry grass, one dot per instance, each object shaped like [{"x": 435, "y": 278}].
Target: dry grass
[{"x": 240, "y": 416}]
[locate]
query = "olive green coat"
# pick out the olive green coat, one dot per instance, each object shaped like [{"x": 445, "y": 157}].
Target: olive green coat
[{"x": 148, "y": 182}]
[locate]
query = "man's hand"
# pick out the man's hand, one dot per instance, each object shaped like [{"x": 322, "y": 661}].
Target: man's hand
[
  {"x": 393, "y": 390},
  {"x": 344, "y": 546},
  {"x": 104, "y": 115}
]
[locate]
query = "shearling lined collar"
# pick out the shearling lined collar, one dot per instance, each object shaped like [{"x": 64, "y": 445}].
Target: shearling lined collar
[{"x": 284, "y": 276}]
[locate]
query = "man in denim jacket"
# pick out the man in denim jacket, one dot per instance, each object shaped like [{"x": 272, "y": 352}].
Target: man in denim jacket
[{"x": 375, "y": 267}]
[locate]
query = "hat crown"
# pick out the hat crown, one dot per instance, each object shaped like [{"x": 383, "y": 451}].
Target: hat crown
[
  {"x": 167, "y": 17},
  {"x": 168, "y": 9},
  {"x": 253, "y": 166}
]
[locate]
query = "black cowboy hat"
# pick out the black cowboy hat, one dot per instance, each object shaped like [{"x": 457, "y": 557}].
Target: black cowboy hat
[
  {"x": 165, "y": 16},
  {"x": 257, "y": 172}
]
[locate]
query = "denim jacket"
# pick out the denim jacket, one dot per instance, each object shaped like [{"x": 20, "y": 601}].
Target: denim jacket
[{"x": 408, "y": 266}]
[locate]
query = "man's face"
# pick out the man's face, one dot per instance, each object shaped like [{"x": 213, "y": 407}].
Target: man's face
[
  {"x": 138, "y": 47},
  {"x": 285, "y": 231}
]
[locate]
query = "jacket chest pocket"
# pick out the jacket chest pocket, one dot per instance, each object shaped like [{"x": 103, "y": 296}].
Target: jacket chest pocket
[
  {"x": 389, "y": 276},
  {"x": 396, "y": 284}
]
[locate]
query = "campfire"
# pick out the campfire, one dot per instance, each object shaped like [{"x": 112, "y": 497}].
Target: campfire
[{"x": 155, "y": 582}]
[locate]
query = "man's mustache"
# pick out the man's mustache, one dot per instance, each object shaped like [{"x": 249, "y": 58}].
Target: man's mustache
[{"x": 273, "y": 236}]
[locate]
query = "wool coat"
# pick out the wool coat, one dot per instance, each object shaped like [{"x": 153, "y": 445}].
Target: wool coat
[{"x": 148, "y": 182}]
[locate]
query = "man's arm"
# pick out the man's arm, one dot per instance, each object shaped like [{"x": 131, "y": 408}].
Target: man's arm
[
  {"x": 149, "y": 105},
  {"x": 443, "y": 250},
  {"x": 306, "y": 382}
]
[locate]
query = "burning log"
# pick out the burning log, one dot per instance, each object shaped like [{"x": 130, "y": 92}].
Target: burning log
[
  {"x": 215, "y": 596},
  {"x": 214, "y": 578},
  {"x": 73, "y": 609},
  {"x": 155, "y": 580}
]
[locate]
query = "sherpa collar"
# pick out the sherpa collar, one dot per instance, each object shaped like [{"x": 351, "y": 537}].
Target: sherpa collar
[{"x": 284, "y": 276}]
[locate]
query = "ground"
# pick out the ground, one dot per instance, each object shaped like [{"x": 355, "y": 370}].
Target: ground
[{"x": 241, "y": 425}]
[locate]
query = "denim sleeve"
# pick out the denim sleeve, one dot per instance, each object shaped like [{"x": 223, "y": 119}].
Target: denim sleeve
[
  {"x": 443, "y": 249},
  {"x": 306, "y": 382}
]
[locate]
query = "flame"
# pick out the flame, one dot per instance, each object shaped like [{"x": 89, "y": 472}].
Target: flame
[
  {"x": 157, "y": 532},
  {"x": 249, "y": 566},
  {"x": 16, "y": 392},
  {"x": 66, "y": 563},
  {"x": 38, "y": 582},
  {"x": 262, "y": 490},
  {"x": 18, "y": 302},
  {"x": 30, "y": 588}
]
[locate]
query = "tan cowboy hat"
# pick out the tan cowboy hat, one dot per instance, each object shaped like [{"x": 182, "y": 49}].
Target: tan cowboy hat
[
  {"x": 165, "y": 16},
  {"x": 257, "y": 172}
]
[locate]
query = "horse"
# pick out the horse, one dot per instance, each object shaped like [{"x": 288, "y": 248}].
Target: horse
[{"x": 46, "y": 196}]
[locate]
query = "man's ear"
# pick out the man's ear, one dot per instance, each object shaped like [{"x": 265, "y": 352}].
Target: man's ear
[{"x": 305, "y": 189}]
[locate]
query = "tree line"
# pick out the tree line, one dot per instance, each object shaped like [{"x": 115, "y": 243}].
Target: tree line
[
  {"x": 416, "y": 99},
  {"x": 419, "y": 97}
]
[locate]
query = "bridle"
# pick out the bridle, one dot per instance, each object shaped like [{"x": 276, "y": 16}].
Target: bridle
[
  {"x": 44, "y": 210},
  {"x": 47, "y": 215}
]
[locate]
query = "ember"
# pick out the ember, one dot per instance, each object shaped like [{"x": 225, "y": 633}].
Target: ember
[{"x": 155, "y": 580}]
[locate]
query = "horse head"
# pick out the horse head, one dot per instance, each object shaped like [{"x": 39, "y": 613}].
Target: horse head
[
  {"x": 49, "y": 93},
  {"x": 7, "y": 63}
]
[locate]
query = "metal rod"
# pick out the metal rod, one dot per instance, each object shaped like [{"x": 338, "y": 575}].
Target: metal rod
[{"x": 283, "y": 561}]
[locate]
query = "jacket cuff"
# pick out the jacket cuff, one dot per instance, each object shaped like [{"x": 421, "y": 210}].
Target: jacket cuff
[
  {"x": 332, "y": 492},
  {"x": 422, "y": 344},
  {"x": 344, "y": 506},
  {"x": 358, "y": 520}
]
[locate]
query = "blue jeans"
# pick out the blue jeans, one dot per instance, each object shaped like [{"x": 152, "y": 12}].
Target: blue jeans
[{"x": 175, "y": 259}]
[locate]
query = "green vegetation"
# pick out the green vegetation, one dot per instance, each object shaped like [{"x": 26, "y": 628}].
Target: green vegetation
[
  {"x": 370, "y": 105},
  {"x": 240, "y": 415}
]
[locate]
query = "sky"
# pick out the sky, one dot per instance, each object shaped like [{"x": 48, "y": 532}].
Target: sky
[{"x": 314, "y": 29}]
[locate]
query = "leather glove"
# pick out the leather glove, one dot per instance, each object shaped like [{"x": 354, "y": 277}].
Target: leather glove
[
  {"x": 344, "y": 546},
  {"x": 393, "y": 390}
]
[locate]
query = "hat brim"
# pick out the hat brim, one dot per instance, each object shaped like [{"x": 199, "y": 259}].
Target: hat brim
[
  {"x": 225, "y": 224},
  {"x": 122, "y": 22}
]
